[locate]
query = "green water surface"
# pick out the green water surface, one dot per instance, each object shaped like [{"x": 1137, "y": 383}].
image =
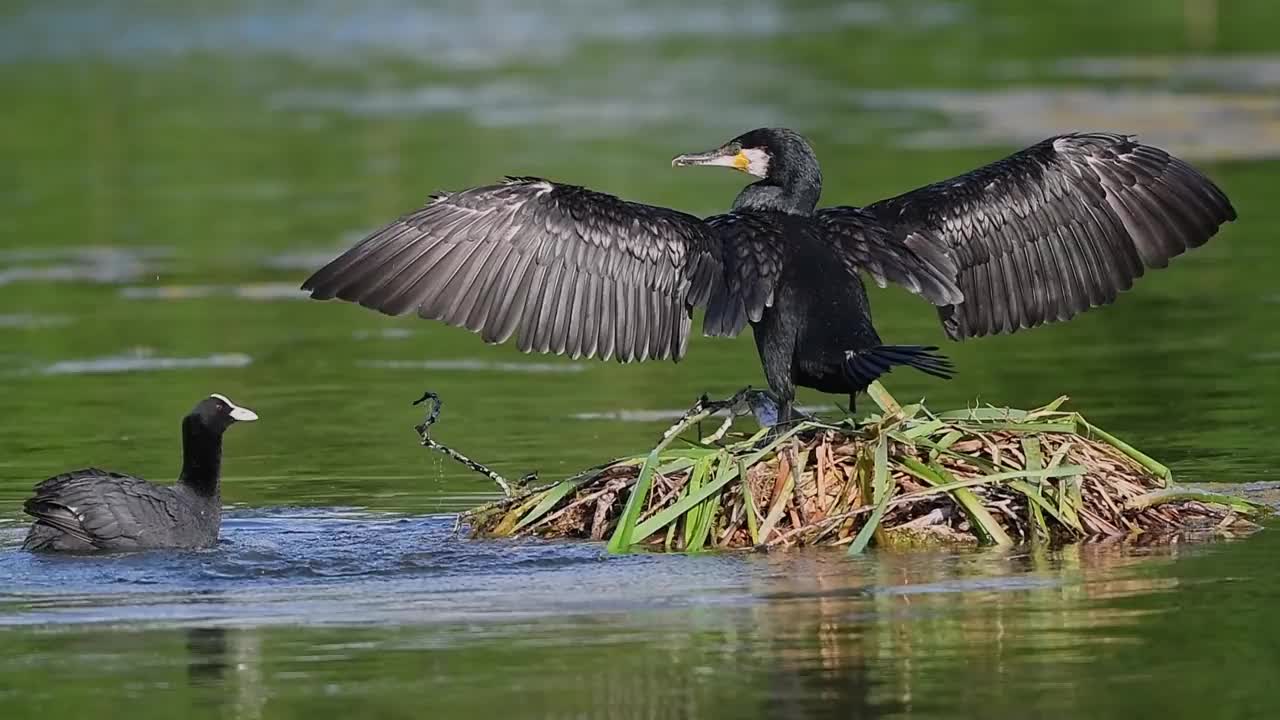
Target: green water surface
[{"x": 169, "y": 173}]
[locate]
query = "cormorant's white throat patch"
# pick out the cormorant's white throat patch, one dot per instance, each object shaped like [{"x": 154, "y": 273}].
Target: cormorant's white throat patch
[{"x": 757, "y": 161}]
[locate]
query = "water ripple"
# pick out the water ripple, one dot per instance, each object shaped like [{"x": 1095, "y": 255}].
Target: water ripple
[
  {"x": 470, "y": 365},
  {"x": 142, "y": 361},
  {"x": 1198, "y": 126},
  {"x": 457, "y": 35},
  {"x": 84, "y": 264},
  {"x": 247, "y": 291},
  {"x": 343, "y": 567}
]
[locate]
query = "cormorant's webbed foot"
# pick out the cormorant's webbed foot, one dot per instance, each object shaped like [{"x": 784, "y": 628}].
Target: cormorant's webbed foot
[{"x": 761, "y": 404}]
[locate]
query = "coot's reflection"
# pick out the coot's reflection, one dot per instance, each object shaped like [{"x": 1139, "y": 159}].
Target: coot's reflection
[{"x": 206, "y": 656}]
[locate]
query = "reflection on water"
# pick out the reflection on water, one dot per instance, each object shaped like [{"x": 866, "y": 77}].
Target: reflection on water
[
  {"x": 143, "y": 360},
  {"x": 389, "y": 333},
  {"x": 476, "y": 365},
  {"x": 207, "y": 648},
  {"x": 1260, "y": 72},
  {"x": 90, "y": 264},
  {"x": 793, "y": 635},
  {"x": 27, "y": 321},
  {"x": 254, "y": 291},
  {"x": 1243, "y": 126},
  {"x": 463, "y": 35}
]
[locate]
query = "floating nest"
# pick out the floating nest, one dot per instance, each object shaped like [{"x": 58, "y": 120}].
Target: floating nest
[{"x": 905, "y": 477}]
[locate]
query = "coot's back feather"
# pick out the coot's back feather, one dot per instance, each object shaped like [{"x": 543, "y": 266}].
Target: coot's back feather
[{"x": 106, "y": 509}]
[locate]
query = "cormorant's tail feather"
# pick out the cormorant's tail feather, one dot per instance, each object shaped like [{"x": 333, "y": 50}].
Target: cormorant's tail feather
[{"x": 862, "y": 367}]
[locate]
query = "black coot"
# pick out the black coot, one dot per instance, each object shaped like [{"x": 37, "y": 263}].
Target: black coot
[{"x": 92, "y": 509}]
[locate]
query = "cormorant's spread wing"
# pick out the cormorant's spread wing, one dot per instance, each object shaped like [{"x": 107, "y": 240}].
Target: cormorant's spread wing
[
  {"x": 752, "y": 250},
  {"x": 863, "y": 243},
  {"x": 1058, "y": 228},
  {"x": 566, "y": 269}
]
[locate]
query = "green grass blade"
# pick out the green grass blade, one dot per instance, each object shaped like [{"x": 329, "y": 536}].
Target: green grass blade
[
  {"x": 1160, "y": 497},
  {"x": 710, "y": 507},
  {"x": 1070, "y": 501},
  {"x": 1064, "y": 471},
  {"x": 669, "y": 514},
  {"x": 749, "y": 501},
  {"x": 1039, "y": 528},
  {"x": 675, "y": 465},
  {"x": 863, "y": 537},
  {"x": 1031, "y": 448},
  {"x": 880, "y": 476},
  {"x": 882, "y": 398},
  {"x": 1020, "y": 427},
  {"x": 1042, "y": 506},
  {"x": 1146, "y": 461},
  {"x": 692, "y": 452},
  {"x": 983, "y": 521},
  {"x": 550, "y": 499},
  {"x": 882, "y": 491},
  {"x": 623, "y": 535},
  {"x": 1060, "y": 454},
  {"x": 909, "y": 412},
  {"x": 985, "y": 414},
  {"x": 508, "y": 523},
  {"x": 693, "y": 518},
  {"x": 923, "y": 429},
  {"x": 1050, "y": 409},
  {"x": 944, "y": 444}
]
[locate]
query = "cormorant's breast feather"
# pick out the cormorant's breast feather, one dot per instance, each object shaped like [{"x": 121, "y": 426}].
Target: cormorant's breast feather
[
  {"x": 754, "y": 250},
  {"x": 566, "y": 269},
  {"x": 1048, "y": 232}
]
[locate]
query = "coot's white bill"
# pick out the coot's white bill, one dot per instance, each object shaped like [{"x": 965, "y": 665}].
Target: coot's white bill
[{"x": 242, "y": 414}]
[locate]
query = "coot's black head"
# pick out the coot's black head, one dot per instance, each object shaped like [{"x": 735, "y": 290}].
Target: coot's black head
[
  {"x": 767, "y": 153},
  {"x": 217, "y": 413}
]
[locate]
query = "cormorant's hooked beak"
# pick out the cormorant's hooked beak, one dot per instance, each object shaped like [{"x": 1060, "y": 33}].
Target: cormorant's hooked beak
[{"x": 722, "y": 157}]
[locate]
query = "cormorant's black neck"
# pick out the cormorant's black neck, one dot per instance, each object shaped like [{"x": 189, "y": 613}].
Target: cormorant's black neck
[
  {"x": 201, "y": 457},
  {"x": 793, "y": 185}
]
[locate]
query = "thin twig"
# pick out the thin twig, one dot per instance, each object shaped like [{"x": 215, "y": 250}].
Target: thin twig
[
  {"x": 747, "y": 401},
  {"x": 423, "y": 434}
]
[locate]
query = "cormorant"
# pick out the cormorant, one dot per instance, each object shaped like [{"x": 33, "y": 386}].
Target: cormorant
[
  {"x": 1036, "y": 237},
  {"x": 91, "y": 509}
]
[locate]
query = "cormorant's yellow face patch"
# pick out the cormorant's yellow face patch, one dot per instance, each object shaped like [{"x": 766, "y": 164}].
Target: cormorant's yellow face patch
[{"x": 752, "y": 160}]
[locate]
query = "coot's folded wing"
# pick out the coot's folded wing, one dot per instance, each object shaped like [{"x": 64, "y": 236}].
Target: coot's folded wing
[{"x": 102, "y": 508}]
